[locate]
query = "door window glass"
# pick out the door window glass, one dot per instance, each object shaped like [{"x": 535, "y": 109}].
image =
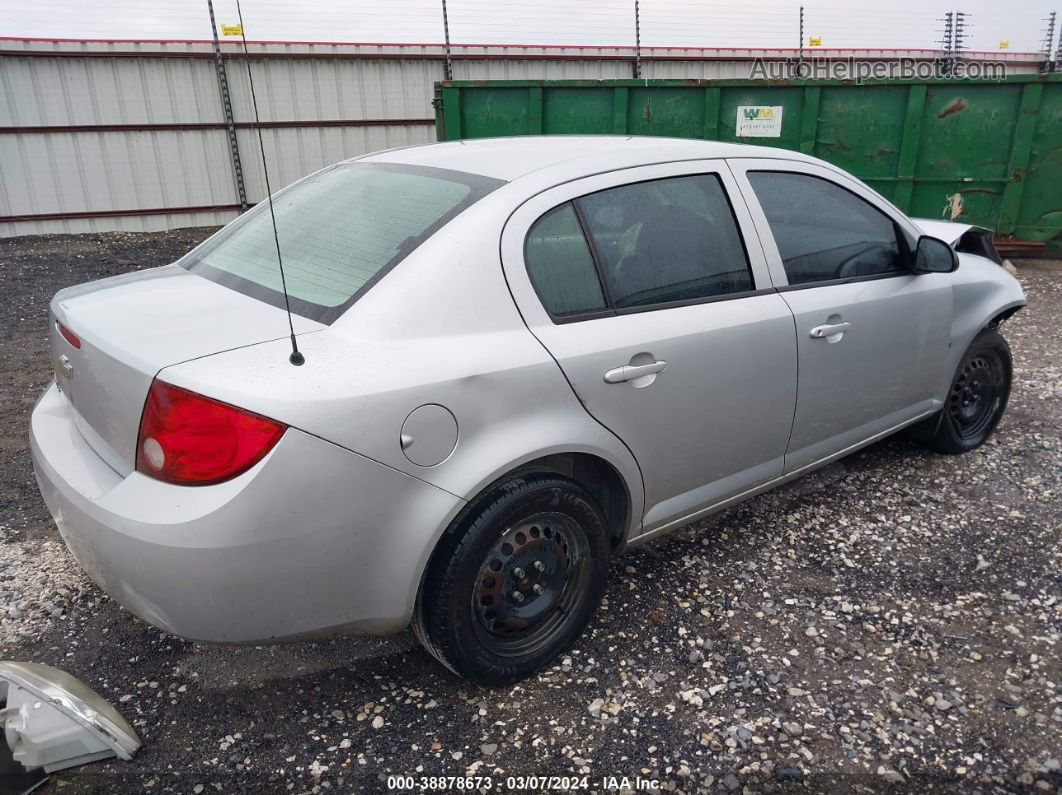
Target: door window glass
[
  {"x": 667, "y": 240},
  {"x": 824, "y": 232},
  {"x": 560, "y": 265}
]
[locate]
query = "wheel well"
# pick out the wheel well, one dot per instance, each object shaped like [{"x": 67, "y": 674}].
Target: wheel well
[
  {"x": 1002, "y": 317},
  {"x": 594, "y": 474}
]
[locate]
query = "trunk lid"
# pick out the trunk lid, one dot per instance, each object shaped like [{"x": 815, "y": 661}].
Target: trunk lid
[{"x": 132, "y": 326}]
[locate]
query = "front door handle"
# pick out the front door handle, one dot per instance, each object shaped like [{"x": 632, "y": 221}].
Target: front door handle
[
  {"x": 829, "y": 330},
  {"x": 629, "y": 372}
]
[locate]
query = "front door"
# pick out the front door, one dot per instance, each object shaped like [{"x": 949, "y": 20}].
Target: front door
[
  {"x": 872, "y": 336},
  {"x": 649, "y": 288}
]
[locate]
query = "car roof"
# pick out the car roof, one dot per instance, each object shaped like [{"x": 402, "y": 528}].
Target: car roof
[{"x": 568, "y": 156}]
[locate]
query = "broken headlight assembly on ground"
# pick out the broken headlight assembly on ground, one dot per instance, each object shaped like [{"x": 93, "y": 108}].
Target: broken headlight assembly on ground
[{"x": 52, "y": 721}]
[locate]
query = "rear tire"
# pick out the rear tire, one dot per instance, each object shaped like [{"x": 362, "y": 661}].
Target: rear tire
[
  {"x": 541, "y": 536},
  {"x": 976, "y": 399}
]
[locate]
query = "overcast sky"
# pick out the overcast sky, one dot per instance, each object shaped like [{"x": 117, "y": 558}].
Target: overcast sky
[{"x": 753, "y": 23}]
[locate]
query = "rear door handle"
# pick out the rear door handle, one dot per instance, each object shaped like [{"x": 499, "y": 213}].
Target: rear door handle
[
  {"x": 828, "y": 330},
  {"x": 629, "y": 372}
]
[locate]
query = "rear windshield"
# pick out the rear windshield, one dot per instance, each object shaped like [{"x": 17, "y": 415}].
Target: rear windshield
[{"x": 339, "y": 230}]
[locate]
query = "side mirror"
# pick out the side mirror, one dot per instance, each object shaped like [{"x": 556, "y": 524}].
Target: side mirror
[{"x": 934, "y": 256}]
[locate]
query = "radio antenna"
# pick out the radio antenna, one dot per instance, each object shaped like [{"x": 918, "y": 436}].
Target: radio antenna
[{"x": 296, "y": 357}]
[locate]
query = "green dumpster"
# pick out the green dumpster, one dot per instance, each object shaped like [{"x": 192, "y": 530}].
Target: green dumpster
[{"x": 978, "y": 151}]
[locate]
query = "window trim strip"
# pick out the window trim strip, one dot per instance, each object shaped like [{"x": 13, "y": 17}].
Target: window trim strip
[
  {"x": 709, "y": 299},
  {"x": 873, "y": 277},
  {"x": 606, "y": 291}
]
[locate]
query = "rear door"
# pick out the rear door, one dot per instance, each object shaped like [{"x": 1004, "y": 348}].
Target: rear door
[
  {"x": 872, "y": 336},
  {"x": 649, "y": 288}
]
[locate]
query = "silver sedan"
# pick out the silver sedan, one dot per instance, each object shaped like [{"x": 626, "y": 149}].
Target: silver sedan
[{"x": 522, "y": 356}]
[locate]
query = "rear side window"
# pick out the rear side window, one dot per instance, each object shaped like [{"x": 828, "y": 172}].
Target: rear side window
[
  {"x": 339, "y": 231},
  {"x": 824, "y": 232},
  {"x": 667, "y": 240},
  {"x": 560, "y": 265},
  {"x": 653, "y": 243}
]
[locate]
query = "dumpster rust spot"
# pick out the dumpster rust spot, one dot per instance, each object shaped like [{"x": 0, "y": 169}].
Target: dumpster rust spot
[
  {"x": 648, "y": 114},
  {"x": 955, "y": 107},
  {"x": 954, "y": 207}
]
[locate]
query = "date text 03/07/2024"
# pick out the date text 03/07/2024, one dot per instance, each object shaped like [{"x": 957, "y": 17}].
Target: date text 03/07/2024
[{"x": 476, "y": 783}]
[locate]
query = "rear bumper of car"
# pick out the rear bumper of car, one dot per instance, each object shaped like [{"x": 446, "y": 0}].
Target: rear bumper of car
[{"x": 313, "y": 539}]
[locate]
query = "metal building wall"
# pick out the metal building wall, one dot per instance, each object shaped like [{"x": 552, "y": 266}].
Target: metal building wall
[
  {"x": 110, "y": 135},
  {"x": 120, "y": 133}
]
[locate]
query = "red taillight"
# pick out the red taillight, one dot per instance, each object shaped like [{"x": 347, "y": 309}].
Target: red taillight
[
  {"x": 192, "y": 440},
  {"x": 68, "y": 335}
]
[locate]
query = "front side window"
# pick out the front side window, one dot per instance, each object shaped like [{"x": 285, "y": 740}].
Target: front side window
[
  {"x": 824, "y": 232},
  {"x": 339, "y": 230},
  {"x": 666, "y": 240}
]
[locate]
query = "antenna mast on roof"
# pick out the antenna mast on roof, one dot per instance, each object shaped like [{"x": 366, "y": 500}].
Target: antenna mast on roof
[{"x": 296, "y": 357}]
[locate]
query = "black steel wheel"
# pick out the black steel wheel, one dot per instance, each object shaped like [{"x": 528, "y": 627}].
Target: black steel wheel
[
  {"x": 532, "y": 579},
  {"x": 976, "y": 393},
  {"x": 976, "y": 400},
  {"x": 515, "y": 580}
]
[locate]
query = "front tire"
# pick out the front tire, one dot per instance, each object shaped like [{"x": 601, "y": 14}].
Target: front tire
[
  {"x": 515, "y": 580},
  {"x": 977, "y": 397}
]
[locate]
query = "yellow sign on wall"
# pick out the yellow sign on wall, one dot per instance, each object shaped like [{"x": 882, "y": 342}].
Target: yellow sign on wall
[
  {"x": 814, "y": 41},
  {"x": 1004, "y": 44},
  {"x": 232, "y": 30}
]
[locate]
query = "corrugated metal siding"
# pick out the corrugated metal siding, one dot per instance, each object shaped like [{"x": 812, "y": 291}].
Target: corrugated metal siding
[
  {"x": 542, "y": 70},
  {"x": 86, "y": 172},
  {"x": 698, "y": 70},
  {"x": 314, "y": 90},
  {"x": 57, "y": 84},
  {"x": 108, "y": 171},
  {"x": 156, "y": 222},
  {"x": 66, "y": 91},
  {"x": 94, "y": 172},
  {"x": 294, "y": 153}
]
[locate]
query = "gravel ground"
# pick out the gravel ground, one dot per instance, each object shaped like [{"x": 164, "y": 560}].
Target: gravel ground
[{"x": 891, "y": 622}]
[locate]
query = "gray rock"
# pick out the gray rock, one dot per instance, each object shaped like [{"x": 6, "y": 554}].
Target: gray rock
[{"x": 893, "y": 777}]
